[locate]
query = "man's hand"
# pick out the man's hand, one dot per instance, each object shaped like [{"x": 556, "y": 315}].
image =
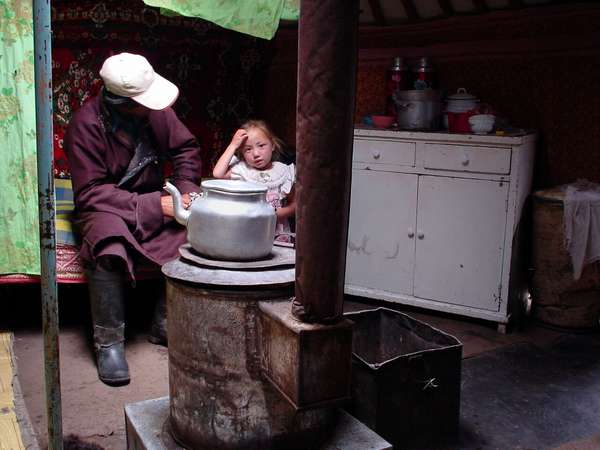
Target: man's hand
[{"x": 166, "y": 203}]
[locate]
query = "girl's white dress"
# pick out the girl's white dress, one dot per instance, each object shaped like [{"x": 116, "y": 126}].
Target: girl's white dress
[{"x": 279, "y": 180}]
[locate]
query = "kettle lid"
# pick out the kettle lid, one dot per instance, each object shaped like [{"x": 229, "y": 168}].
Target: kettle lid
[{"x": 234, "y": 186}]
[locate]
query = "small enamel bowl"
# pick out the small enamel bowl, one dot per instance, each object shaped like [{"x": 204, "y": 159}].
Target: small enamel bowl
[{"x": 482, "y": 123}]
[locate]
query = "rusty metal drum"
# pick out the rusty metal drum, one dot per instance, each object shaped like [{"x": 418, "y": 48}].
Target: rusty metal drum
[{"x": 218, "y": 396}]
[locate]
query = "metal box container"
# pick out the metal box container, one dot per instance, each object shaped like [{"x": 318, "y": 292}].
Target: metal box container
[
  {"x": 309, "y": 364},
  {"x": 405, "y": 377}
]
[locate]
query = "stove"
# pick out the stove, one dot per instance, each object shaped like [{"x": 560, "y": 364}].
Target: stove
[{"x": 219, "y": 398}]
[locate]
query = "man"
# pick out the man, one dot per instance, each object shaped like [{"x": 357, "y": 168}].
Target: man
[{"x": 117, "y": 144}]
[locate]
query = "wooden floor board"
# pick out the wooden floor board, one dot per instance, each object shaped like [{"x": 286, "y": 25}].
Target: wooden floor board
[{"x": 10, "y": 434}]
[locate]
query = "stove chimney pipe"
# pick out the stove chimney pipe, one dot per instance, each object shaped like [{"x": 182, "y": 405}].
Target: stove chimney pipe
[{"x": 327, "y": 54}]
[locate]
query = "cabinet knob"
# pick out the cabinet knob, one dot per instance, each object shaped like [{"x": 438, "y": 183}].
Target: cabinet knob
[
  {"x": 420, "y": 234},
  {"x": 411, "y": 233},
  {"x": 465, "y": 160},
  {"x": 376, "y": 155}
]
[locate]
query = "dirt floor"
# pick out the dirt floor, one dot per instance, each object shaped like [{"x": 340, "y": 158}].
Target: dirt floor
[
  {"x": 90, "y": 409},
  {"x": 94, "y": 411}
]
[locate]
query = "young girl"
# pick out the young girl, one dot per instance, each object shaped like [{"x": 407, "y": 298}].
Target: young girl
[{"x": 249, "y": 157}]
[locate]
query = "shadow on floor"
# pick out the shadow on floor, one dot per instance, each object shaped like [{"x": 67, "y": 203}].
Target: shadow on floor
[
  {"x": 91, "y": 410},
  {"x": 532, "y": 396},
  {"x": 21, "y": 306}
]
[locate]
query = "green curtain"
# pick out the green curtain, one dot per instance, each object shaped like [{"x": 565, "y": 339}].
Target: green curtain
[
  {"x": 19, "y": 238},
  {"x": 259, "y": 18}
]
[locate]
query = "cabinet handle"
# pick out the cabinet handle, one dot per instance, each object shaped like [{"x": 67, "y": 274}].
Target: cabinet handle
[
  {"x": 420, "y": 234},
  {"x": 465, "y": 160},
  {"x": 376, "y": 155},
  {"x": 411, "y": 233}
]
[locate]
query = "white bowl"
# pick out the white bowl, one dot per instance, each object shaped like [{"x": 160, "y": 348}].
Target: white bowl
[
  {"x": 482, "y": 123},
  {"x": 482, "y": 128},
  {"x": 482, "y": 118}
]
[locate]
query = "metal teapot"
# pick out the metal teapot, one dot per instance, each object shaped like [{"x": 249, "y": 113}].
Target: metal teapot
[{"x": 231, "y": 220}]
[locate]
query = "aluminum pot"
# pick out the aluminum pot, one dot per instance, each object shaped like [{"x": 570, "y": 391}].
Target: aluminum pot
[
  {"x": 418, "y": 109},
  {"x": 461, "y": 101},
  {"x": 231, "y": 220}
]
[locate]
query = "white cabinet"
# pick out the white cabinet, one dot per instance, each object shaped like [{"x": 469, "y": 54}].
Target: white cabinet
[
  {"x": 382, "y": 258},
  {"x": 433, "y": 218}
]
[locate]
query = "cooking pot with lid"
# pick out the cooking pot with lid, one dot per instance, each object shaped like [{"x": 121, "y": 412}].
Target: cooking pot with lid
[
  {"x": 418, "y": 109},
  {"x": 461, "y": 101}
]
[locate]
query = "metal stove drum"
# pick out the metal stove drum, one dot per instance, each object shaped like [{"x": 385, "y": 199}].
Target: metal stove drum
[{"x": 219, "y": 398}]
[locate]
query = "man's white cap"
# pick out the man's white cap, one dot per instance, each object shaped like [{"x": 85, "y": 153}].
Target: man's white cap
[{"x": 132, "y": 76}]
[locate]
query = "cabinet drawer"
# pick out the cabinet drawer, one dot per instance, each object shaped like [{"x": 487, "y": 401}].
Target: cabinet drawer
[
  {"x": 384, "y": 152},
  {"x": 467, "y": 158}
]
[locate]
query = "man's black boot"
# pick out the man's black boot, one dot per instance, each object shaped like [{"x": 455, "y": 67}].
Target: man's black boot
[
  {"x": 158, "y": 330},
  {"x": 107, "y": 299}
]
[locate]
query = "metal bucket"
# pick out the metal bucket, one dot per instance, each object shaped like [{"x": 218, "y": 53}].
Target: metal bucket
[
  {"x": 405, "y": 377},
  {"x": 218, "y": 397},
  {"x": 418, "y": 110}
]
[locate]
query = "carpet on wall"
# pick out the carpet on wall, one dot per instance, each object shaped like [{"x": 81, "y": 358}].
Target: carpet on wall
[{"x": 218, "y": 73}]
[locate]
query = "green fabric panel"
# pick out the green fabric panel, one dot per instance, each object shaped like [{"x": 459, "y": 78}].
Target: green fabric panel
[
  {"x": 19, "y": 238},
  {"x": 259, "y": 18},
  {"x": 291, "y": 10}
]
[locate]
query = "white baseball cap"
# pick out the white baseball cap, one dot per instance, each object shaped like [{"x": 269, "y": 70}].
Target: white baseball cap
[{"x": 132, "y": 76}]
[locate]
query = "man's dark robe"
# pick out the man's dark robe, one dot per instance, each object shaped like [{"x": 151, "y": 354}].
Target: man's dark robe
[{"x": 127, "y": 221}]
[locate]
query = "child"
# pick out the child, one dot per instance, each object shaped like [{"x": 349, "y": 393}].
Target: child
[{"x": 249, "y": 157}]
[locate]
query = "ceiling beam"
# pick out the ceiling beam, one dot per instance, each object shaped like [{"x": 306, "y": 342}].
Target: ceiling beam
[
  {"x": 411, "y": 11},
  {"x": 447, "y": 7},
  {"x": 377, "y": 12}
]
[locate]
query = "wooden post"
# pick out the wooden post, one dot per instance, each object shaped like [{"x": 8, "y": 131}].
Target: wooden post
[{"x": 327, "y": 55}]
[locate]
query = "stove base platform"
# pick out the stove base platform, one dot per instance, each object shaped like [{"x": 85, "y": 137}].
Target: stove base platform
[{"x": 148, "y": 429}]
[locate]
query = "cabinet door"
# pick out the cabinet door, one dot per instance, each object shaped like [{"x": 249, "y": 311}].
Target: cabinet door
[
  {"x": 460, "y": 239},
  {"x": 381, "y": 242}
]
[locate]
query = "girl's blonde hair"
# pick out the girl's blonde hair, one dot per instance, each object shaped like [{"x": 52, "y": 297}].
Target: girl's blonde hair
[{"x": 262, "y": 126}]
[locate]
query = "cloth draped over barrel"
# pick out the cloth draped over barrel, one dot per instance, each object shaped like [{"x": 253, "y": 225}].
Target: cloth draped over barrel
[
  {"x": 19, "y": 228},
  {"x": 259, "y": 18},
  {"x": 113, "y": 218},
  {"x": 582, "y": 224}
]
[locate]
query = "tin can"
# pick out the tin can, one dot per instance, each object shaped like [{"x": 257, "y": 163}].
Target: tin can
[
  {"x": 397, "y": 79},
  {"x": 424, "y": 75}
]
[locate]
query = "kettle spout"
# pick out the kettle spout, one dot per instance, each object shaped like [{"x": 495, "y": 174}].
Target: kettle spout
[{"x": 181, "y": 214}]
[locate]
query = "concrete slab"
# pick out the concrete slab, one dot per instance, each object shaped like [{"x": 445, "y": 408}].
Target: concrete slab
[{"x": 147, "y": 429}]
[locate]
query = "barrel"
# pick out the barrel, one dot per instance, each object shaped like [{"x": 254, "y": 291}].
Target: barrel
[
  {"x": 557, "y": 298},
  {"x": 218, "y": 397}
]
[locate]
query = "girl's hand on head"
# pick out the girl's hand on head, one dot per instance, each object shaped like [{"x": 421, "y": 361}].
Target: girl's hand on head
[{"x": 239, "y": 138}]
